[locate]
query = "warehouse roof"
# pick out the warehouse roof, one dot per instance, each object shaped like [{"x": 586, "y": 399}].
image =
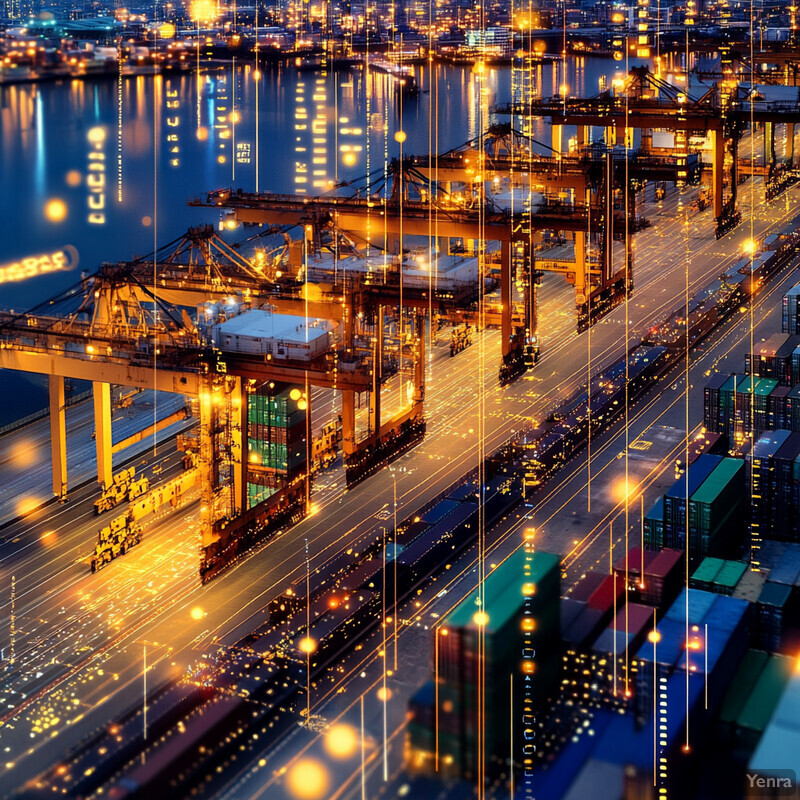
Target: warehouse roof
[{"x": 262, "y": 324}]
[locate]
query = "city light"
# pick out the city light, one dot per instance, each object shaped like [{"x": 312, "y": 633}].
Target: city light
[{"x": 55, "y": 210}]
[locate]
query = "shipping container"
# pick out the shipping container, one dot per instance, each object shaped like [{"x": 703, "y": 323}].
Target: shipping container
[
  {"x": 712, "y": 420},
  {"x": 675, "y": 499},
  {"x": 791, "y": 311},
  {"x": 792, "y": 409},
  {"x": 776, "y": 407},
  {"x": 610, "y": 594},
  {"x": 663, "y": 578},
  {"x": 584, "y": 628},
  {"x": 774, "y": 610},
  {"x": 740, "y": 690},
  {"x": 784, "y": 509},
  {"x": 654, "y": 525},
  {"x": 586, "y": 585},
  {"x": 779, "y": 747},
  {"x": 728, "y": 577},
  {"x": 627, "y": 630},
  {"x": 764, "y": 362},
  {"x": 762, "y": 483},
  {"x": 764, "y": 697},
  {"x": 750, "y": 586},
  {"x": 743, "y": 404},
  {"x": 439, "y": 511},
  {"x": 703, "y": 576},
  {"x": 786, "y": 568},
  {"x": 570, "y": 610}
]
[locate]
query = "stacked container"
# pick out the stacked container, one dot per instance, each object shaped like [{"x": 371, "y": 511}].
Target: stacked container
[
  {"x": 703, "y": 576},
  {"x": 654, "y": 525},
  {"x": 626, "y": 632},
  {"x": 716, "y": 511},
  {"x": 773, "y": 358},
  {"x": 786, "y": 476},
  {"x": 794, "y": 370},
  {"x": 524, "y": 587},
  {"x": 791, "y": 311},
  {"x": 743, "y": 401},
  {"x": 277, "y": 452},
  {"x": 712, "y": 419},
  {"x": 762, "y": 484},
  {"x": 776, "y": 407},
  {"x": 717, "y": 641},
  {"x": 779, "y": 747},
  {"x": 775, "y": 609},
  {"x": 675, "y": 499}
]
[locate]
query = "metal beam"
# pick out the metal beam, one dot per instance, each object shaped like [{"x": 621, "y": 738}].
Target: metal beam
[
  {"x": 58, "y": 435},
  {"x": 102, "y": 432},
  {"x": 87, "y": 368}
]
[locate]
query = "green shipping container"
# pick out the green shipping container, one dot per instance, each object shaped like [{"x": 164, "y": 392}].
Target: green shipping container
[
  {"x": 719, "y": 492},
  {"x": 703, "y": 576},
  {"x": 728, "y": 577},
  {"x": 654, "y": 525},
  {"x": 763, "y": 699},
  {"x": 740, "y": 689}
]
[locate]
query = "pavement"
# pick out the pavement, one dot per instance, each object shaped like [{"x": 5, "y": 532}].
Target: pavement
[{"x": 25, "y": 473}]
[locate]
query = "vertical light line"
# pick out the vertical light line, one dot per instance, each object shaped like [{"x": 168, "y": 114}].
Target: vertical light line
[
  {"x": 394, "y": 564},
  {"x": 119, "y": 121},
  {"x": 144, "y": 700},
  {"x": 363, "y": 755},
  {"x": 436, "y": 632},
  {"x": 13, "y": 621},
  {"x": 511, "y": 737},
  {"x": 233, "y": 116},
  {"x": 257, "y": 79},
  {"x": 626, "y": 272},
  {"x": 309, "y": 642},
  {"x": 687, "y": 432},
  {"x": 655, "y": 701},
  {"x": 705, "y": 667},
  {"x": 156, "y": 115},
  {"x": 384, "y": 697}
]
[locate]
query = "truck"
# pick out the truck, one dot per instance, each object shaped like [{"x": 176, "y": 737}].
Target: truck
[
  {"x": 115, "y": 539},
  {"x": 124, "y": 486},
  {"x": 460, "y": 339},
  {"x": 325, "y": 447}
]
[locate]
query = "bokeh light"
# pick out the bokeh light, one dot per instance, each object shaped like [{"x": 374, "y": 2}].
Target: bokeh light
[
  {"x": 55, "y": 210},
  {"x": 24, "y": 454},
  {"x": 341, "y": 741},
  {"x": 202, "y": 11},
  {"x": 308, "y": 780}
]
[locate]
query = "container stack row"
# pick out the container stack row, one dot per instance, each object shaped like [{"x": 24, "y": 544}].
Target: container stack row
[
  {"x": 512, "y": 631},
  {"x": 276, "y": 439},
  {"x": 777, "y": 358},
  {"x": 774, "y": 467},
  {"x": 712, "y": 490}
]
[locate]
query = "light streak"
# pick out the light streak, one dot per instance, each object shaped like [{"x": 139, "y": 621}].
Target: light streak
[{"x": 33, "y": 266}]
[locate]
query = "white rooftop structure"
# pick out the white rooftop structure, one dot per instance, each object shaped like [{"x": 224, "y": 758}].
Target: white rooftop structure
[{"x": 281, "y": 336}]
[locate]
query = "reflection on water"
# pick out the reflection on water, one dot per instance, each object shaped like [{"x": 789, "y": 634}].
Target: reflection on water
[
  {"x": 106, "y": 167},
  {"x": 124, "y": 156}
]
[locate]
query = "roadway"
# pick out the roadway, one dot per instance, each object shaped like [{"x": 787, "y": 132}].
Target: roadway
[
  {"x": 25, "y": 474},
  {"x": 154, "y": 591},
  {"x": 589, "y": 536}
]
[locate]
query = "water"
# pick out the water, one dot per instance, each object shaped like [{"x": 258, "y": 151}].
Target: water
[{"x": 123, "y": 157}]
